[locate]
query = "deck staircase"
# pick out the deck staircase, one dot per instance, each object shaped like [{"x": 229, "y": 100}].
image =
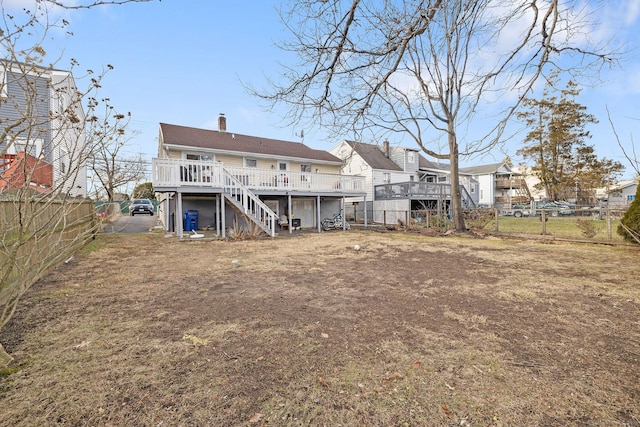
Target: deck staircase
[
  {"x": 523, "y": 195},
  {"x": 467, "y": 201},
  {"x": 248, "y": 204}
]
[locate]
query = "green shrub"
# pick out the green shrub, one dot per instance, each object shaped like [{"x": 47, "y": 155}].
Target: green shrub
[{"x": 631, "y": 220}]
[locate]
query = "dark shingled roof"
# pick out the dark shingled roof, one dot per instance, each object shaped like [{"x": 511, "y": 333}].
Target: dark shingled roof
[
  {"x": 229, "y": 141},
  {"x": 373, "y": 156},
  {"x": 428, "y": 164}
]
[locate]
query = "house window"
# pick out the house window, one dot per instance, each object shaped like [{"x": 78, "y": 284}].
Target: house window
[
  {"x": 283, "y": 166},
  {"x": 411, "y": 157},
  {"x": 250, "y": 163},
  {"x": 473, "y": 189},
  {"x": 305, "y": 168},
  {"x": 442, "y": 179},
  {"x": 387, "y": 178},
  {"x": 31, "y": 147},
  {"x": 411, "y": 178},
  {"x": 203, "y": 157}
]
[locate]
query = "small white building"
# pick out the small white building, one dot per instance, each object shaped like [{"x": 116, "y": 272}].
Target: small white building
[{"x": 620, "y": 195}]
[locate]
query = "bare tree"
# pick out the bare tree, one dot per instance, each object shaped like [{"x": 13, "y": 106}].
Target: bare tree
[
  {"x": 108, "y": 136},
  {"x": 425, "y": 69},
  {"x": 44, "y": 149}
]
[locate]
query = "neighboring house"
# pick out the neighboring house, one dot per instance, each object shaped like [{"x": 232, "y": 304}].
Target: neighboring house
[
  {"x": 397, "y": 180},
  {"x": 499, "y": 185},
  {"x": 43, "y": 120},
  {"x": 441, "y": 173},
  {"x": 220, "y": 177},
  {"x": 532, "y": 181},
  {"x": 620, "y": 195},
  {"x": 23, "y": 170}
]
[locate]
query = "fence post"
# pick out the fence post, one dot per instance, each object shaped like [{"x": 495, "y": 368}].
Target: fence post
[
  {"x": 495, "y": 214},
  {"x": 408, "y": 217},
  {"x": 543, "y": 218},
  {"x": 384, "y": 218},
  {"x": 608, "y": 216}
]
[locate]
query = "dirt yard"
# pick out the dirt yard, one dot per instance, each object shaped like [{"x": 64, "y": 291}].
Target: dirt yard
[{"x": 409, "y": 330}]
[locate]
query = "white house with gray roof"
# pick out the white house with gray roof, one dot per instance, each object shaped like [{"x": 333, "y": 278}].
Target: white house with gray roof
[
  {"x": 226, "y": 176},
  {"x": 397, "y": 180}
]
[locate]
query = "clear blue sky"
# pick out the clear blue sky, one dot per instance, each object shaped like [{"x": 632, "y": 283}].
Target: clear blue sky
[{"x": 183, "y": 62}]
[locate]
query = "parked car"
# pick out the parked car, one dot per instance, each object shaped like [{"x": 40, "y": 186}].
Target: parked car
[
  {"x": 558, "y": 208},
  {"x": 141, "y": 206},
  {"x": 517, "y": 211}
]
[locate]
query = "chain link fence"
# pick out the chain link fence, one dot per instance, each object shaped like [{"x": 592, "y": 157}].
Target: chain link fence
[{"x": 598, "y": 224}]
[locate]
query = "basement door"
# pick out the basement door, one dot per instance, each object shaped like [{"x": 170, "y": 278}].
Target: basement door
[{"x": 305, "y": 209}]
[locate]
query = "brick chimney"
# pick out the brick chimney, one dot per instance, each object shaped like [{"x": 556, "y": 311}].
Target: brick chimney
[
  {"x": 222, "y": 123},
  {"x": 385, "y": 148}
]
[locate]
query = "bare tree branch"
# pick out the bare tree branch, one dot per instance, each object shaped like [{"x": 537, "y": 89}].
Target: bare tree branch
[
  {"x": 425, "y": 68},
  {"x": 93, "y": 3},
  {"x": 632, "y": 158}
]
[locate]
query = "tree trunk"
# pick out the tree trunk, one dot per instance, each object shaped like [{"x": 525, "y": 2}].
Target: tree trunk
[{"x": 457, "y": 215}]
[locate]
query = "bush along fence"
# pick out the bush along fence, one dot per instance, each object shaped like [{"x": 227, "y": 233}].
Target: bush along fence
[
  {"x": 597, "y": 225},
  {"x": 37, "y": 234}
]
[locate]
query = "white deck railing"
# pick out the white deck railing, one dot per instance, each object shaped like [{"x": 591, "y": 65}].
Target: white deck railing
[
  {"x": 178, "y": 173},
  {"x": 185, "y": 173}
]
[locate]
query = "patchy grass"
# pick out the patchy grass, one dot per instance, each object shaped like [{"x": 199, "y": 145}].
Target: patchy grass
[
  {"x": 305, "y": 330},
  {"x": 566, "y": 227}
]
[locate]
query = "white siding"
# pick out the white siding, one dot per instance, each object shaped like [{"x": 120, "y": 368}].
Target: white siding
[
  {"x": 68, "y": 140},
  {"x": 486, "y": 185},
  {"x": 396, "y": 155},
  {"x": 623, "y": 197},
  {"x": 354, "y": 165}
]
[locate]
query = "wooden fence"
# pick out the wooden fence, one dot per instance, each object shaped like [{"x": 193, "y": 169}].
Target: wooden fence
[{"x": 37, "y": 235}]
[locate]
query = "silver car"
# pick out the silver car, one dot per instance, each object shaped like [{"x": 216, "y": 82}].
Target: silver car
[{"x": 141, "y": 206}]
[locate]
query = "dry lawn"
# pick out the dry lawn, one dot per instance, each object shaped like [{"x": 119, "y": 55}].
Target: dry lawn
[{"x": 410, "y": 330}]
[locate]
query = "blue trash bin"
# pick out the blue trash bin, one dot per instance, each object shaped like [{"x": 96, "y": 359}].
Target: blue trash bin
[{"x": 190, "y": 220}]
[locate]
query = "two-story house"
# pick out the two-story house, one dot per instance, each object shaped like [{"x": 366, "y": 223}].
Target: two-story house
[
  {"x": 499, "y": 185},
  {"x": 398, "y": 180},
  {"x": 41, "y": 124},
  {"x": 230, "y": 178}
]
